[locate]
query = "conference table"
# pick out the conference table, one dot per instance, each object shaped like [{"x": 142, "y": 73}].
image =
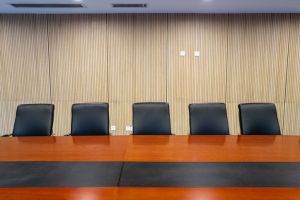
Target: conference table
[{"x": 195, "y": 167}]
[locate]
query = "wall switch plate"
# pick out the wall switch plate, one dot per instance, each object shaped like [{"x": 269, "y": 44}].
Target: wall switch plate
[
  {"x": 128, "y": 129},
  {"x": 182, "y": 53},
  {"x": 113, "y": 128},
  {"x": 196, "y": 53}
]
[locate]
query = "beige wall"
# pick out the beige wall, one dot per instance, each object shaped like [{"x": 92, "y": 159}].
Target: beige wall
[{"x": 122, "y": 59}]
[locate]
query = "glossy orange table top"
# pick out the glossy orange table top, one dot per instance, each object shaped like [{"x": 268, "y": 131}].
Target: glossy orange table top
[
  {"x": 152, "y": 149},
  {"x": 150, "y": 193},
  {"x": 63, "y": 148},
  {"x": 214, "y": 148}
]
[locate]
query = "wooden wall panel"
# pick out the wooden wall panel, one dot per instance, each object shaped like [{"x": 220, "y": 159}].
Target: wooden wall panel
[
  {"x": 195, "y": 79},
  {"x": 122, "y": 59},
  {"x": 293, "y": 81},
  {"x": 78, "y": 57},
  {"x": 257, "y": 59},
  {"x": 24, "y": 67},
  {"x": 121, "y": 63},
  {"x": 7, "y": 117},
  {"x": 181, "y": 38},
  {"x": 23, "y": 58},
  {"x": 151, "y": 44},
  {"x": 292, "y": 106},
  {"x": 292, "y": 119},
  {"x": 209, "y": 73},
  {"x": 233, "y": 118},
  {"x": 137, "y": 54},
  {"x": 78, "y": 63},
  {"x": 62, "y": 119}
]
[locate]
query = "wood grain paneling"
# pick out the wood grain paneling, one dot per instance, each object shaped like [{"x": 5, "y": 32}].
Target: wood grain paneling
[
  {"x": 122, "y": 59},
  {"x": 78, "y": 57},
  {"x": 78, "y": 63},
  {"x": 292, "y": 119},
  {"x": 62, "y": 119},
  {"x": 151, "y": 44},
  {"x": 137, "y": 54},
  {"x": 121, "y": 62},
  {"x": 257, "y": 61},
  {"x": 195, "y": 79},
  {"x": 292, "y": 101},
  {"x": 257, "y": 58},
  {"x": 233, "y": 118},
  {"x": 181, "y": 37},
  {"x": 293, "y": 80},
  {"x": 24, "y": 58},
  {"x": 24, "y": 68}
]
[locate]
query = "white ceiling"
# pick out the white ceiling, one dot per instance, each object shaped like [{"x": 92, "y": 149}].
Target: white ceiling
[{"x": 161, "y": 6}]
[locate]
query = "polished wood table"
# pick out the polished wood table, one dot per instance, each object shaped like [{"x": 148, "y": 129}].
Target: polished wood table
[{"x": 152, "y": 149}]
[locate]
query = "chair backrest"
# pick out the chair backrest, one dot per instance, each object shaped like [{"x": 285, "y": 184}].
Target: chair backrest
[
  {"x": 90, "y": 119},
  {"x": 208, "y": 119},
  {"x": 151, "y": 119},
  {"x": 258, "y": 119},
  {"x": 34, "y": 120}
]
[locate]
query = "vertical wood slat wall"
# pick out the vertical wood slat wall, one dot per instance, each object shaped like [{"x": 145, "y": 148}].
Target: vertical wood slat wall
[
  {"x": 257, "y": 62},
  {"x": 78, "y": 63},
  {"x": 122, "y": 59}
]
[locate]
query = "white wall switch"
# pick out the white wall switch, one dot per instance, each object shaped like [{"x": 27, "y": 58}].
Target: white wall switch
[
  {"x": 182, "y": 53},
  {"x": 113, "y": 128},
  {"x": 128, "y": 129},
  {"x": 196, "y": 53}
]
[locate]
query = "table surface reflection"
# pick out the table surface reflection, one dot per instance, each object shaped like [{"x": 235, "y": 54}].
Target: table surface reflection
[{"x": 151, "y": 149}]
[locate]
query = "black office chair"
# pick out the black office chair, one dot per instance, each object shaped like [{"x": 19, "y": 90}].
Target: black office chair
[
  {"x": 34, "y": 120},
  {"x": 258, "y": 119},
  {"x": 90, "y": 119},
  {"x": 151, "y": 119},
  {"x": 208, "y": 119}
]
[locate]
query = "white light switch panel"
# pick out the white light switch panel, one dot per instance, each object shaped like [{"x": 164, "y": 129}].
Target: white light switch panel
[
  {"x": 113, "y": 128},
  {"x": 128, "y": 129},
  {"x": 197, "y": 53},
  {"x": 182, "y": 53}
]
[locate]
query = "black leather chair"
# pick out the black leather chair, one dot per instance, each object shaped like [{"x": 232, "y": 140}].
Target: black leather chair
[
  {"x": 208, "y": 119},
  {"x": 258, "y": 119},
  {"x": 34, "y": 120},
  {"x": 151, "y": 119},
  {"x": 90, "y": 119}
]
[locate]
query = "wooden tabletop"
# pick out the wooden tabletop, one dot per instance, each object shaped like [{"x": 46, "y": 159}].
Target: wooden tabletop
[
  {"x": 132, "y": 193},
  {"x": 151, "y": 149},
  {"x": 214, "y": 148}
]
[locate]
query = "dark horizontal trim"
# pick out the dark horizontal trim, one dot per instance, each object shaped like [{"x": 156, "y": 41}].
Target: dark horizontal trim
[
  {"x": 60, "y": 174},
  {"x": 121, "y": 5},
  {"x": 233, "y": 174},
  {"x": 149, "y": 174},
  {"x": 31, "y": 5}
]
